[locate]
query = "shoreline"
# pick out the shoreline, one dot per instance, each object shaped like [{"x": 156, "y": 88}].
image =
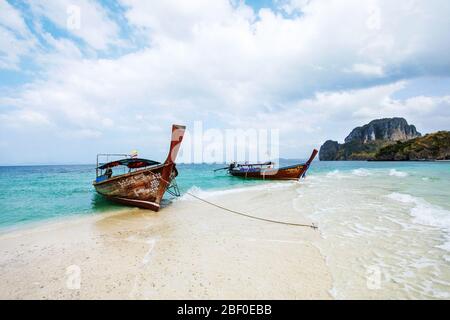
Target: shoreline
[
  {"x": 188, "y": 250},
  {"x": 166, "y": 203},
  {"x": 54, "y": 221}
]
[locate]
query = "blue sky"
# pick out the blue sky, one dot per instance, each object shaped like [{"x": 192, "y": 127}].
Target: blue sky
[{"x": 80, "y": 77}]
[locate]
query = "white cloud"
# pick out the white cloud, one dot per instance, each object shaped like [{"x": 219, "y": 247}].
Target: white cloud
[
  {"x": 367, "y": 69},
  {"x": 11, "y": 49},
  {"x": 180, "y": 19},
  {"x": 23, "y": 118},
  {"x": 332, "y": 115},
  {"x": 95, "y": 27},
  {"x": 316, "y": 120},
  {"x": 293, "y": 6},
  {"x": 314, "y": 75},
  {"x": 12, "y": 19},
  {"x": 15, "y": 38}
]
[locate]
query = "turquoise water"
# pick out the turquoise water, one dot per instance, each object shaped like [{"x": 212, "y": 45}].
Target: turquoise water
[{"x": 36, "y": 193}]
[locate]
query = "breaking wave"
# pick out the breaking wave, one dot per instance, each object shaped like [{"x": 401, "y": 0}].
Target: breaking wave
[
  {"x": 426, "y": 214},
  {"x": 333, "y": 173},
  {"x": 361, "y": 172},
  {"x": 199, "y": 192},
  {"x": 396, "y": 173}
]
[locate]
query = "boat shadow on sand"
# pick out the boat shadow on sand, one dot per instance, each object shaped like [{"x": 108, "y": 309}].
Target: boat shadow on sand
[{"x": 101, "y": 204}]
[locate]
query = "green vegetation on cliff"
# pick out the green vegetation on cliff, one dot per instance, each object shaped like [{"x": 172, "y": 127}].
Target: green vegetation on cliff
[
  {"x": 357, "y": 151},
  {"x": 433, "y": 146}
]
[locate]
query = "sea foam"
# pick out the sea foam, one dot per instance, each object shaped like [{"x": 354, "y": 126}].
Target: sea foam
[
  {"x": 396, "y": 173},
  {"x": 199, "y": 192},
  {"x": 425, "y": 213},
  {"x": 333, "y": 173},
  {"x": 361, "y": 172}
]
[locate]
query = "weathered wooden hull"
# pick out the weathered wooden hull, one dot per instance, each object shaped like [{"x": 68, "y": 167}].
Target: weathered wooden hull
[
  {"x": 291, "y": 173},
  {"x": 287, "y": 173},
  {"x": 141, "y": 188}
]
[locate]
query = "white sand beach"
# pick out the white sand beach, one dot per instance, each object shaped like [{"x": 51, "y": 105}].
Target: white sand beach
[{"x": 188, "y": 250}]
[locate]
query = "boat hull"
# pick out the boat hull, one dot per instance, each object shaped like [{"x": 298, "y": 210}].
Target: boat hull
[
  {"x": 291, "y": 173},
  {"x": 143, "y": 188},
  {"x": 143, "y": 204},
  {"x": 294, "y": 172}
]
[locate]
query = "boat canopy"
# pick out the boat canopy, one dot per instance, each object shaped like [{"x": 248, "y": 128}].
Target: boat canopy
[{"x": 132, "y": 163}]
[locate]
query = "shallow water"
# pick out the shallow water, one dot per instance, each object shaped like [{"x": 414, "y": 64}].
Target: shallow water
[
  {"x": 385, "y": 226},
  {"x": 36, "y": 193}
]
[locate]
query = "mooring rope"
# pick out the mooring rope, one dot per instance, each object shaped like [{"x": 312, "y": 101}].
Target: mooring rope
[{"x": 313, "y": 226}]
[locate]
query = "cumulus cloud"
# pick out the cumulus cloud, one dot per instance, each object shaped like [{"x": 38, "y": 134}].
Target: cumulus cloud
[
  {"x": 307, "y": 123},
  {"x": 12, "y": 19},
  {"x": 15, "y": 37},
  {"x": 367, "y": 69},
  {"x": 85, "y": 19},
  {"x": 313, "y": 69}
]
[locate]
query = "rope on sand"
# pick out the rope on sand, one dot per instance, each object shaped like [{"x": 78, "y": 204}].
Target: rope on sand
[{"x": 313, "y": 226}]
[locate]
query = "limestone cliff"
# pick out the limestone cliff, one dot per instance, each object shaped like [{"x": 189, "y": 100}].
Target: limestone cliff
[
  {"x": 364, "y": 142},
  {"x": 393, "y": 129}
]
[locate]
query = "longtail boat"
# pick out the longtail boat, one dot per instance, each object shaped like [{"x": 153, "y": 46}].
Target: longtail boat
[
  {"x": 144, "y": 181},
  {"x": 266, "y": 171}
]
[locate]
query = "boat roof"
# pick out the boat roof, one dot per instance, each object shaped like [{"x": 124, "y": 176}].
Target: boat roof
[{"x": 131, "y": 163}]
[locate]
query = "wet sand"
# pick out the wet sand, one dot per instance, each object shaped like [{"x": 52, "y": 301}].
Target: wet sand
[{"x": 188, "y": 250}]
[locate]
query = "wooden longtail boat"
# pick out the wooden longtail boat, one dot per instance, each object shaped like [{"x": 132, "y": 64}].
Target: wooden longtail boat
[
  {"x": 266, "y": 171},
  {"x": 146, "y": 180}
]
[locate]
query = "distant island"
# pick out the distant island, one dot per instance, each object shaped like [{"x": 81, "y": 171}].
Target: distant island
[{"x": 390, "y": 139}]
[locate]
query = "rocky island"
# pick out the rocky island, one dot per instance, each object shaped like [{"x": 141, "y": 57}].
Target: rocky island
[
  {"x": 391, "y": 139},
  {"x": 433, "y": 146}
]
